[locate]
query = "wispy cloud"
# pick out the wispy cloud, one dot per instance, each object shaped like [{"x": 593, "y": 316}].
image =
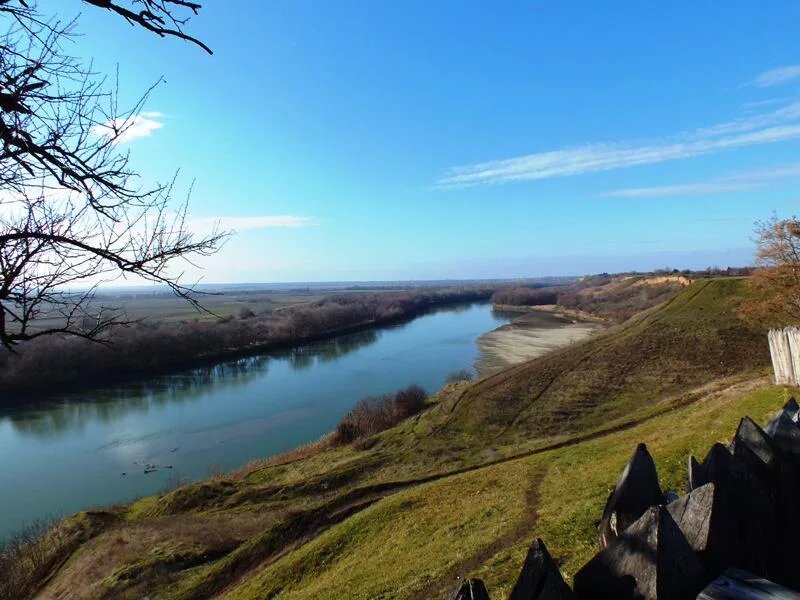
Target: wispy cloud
[
  {"x": 739, "y": 182},
  {"x": 127, "y": 130},
  {"x": 777, "y": 76},
  {"x": 710, "y": 188},
  {"x": 778, "y": 125},
  {"x": 761, "y": 104},
  {"x": 208, "y": 224}
]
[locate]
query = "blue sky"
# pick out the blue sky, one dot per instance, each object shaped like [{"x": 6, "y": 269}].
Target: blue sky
[{"x": 424, "y": 140}]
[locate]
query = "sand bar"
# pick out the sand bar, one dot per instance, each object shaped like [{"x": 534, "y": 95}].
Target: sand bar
[{"x": 530, "y": 335}]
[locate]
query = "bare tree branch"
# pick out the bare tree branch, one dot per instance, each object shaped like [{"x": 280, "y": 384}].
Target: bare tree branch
[
  {"x": 165, "y": 18},
  {"x": 72, "y": 213},
  {"x": 157, "y": 16}
]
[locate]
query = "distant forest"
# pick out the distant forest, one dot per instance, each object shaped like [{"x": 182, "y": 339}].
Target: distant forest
[
  {"x": 55, "y": 363},
  {"x": 60, "y": 362}
]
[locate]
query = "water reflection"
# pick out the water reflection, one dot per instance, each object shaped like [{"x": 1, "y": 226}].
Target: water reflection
[
  {"x": 54, "y": 415},
  {"x": 508, "y": 315},
  {"x": 69, "y": 451},
  {"x": 51, "y": 416},
  {"x": 303, "y": 357}
]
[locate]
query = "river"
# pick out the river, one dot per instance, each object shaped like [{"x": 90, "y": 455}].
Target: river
[{"x": 69, "y": 452}]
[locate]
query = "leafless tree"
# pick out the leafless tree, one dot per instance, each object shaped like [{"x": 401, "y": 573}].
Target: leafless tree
[
  {"x": 73, "y": 212},
  {"x": 775, "y": 287}
]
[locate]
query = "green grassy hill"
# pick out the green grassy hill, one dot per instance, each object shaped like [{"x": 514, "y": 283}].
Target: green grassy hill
[{"x": 460, "y": 489}]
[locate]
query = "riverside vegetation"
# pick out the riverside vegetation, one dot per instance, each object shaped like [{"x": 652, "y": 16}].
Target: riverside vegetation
[
  {"x": 459, "y": 489},
  {"x": 152, "y": 346},
  {"x": 614, "y": 298}
]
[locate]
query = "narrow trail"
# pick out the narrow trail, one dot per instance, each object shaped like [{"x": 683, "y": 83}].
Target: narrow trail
[
  {"x": 441, "y": 585},
  {"x": 310, "y": 524}
]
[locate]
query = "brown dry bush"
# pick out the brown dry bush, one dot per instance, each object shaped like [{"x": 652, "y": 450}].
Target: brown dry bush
[
  {"x": 28, "y": 556},
  {"x": 374, "y": 414},
  {"x": 459, "y": 375}
]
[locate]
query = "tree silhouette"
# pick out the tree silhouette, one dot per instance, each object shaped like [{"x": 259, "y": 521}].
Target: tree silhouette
[{"x": 73, "y": 212}]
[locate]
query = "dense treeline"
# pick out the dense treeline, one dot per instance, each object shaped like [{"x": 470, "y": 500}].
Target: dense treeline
[
  {"x": 525, "y": 296},
  {"x": 53, "y": 363},
  {"x": 618, "y": 300},
  {"x": 613, "y": 297}
]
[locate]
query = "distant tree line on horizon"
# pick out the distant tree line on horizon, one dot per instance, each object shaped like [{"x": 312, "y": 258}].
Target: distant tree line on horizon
[{"x": 57, "y": 362}]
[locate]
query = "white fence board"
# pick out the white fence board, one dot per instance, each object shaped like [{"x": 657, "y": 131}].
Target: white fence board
[{"x": 784, "y": 347}]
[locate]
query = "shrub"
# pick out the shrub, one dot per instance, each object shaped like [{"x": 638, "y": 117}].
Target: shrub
[
  {"x": 245, "y": 312},
  {"x": 409, "y": 401},
  {"x": 460, "y": 375},
  {"x": 374, "y": 414},
  {"x": 27, "y": 557}
]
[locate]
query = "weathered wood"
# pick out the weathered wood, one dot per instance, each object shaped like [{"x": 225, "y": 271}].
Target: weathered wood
[
  {"x": 784, "y": 348},
  {"x": 715, "y": 530},
  {"x": 637, "y": 490},
  {"x": 669, "y": 497},
  {"x": 785, "y": 435},
  {"x": 791, "y": 410},
  {"x": 735, "y": 584},
  {"x": 540, "y": 578},
  {"x": 756, "y": 440},
  {"x": 777, "y": 477},
  {"x": 697, "y": 475},
  {"x": 650, "y": 560},
  {"x": 470, "y": 589},
  {"x": 693, "y": 514}
]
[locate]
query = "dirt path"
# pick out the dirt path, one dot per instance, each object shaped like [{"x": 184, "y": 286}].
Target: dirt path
[
  {"x": 441, "y": 586},
  {"x": 275, "y": 542},
  {"x": 357, "y": 499}
]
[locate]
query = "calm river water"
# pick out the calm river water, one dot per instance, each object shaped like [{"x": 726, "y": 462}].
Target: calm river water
[{"x": 70, "y": 452}]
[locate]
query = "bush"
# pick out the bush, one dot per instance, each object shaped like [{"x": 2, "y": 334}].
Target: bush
[
  {"x": 409, "y": 401},
  {"x": 460, "y": 375},
  {"x": 27, "y": 557},
  {"x": 245, "y": 312},
  {"x": 374, "y": 414}
]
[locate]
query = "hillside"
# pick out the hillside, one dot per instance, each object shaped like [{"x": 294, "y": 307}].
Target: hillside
[{"x": 461, "y": 488}]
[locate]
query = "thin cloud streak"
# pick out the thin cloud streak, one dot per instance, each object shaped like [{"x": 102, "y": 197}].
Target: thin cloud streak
[
  {"x": 687, "y": 189},
  {"x": 775, "y": 126},
  {"x": 740, "y": 182},
  {"x": 777, "y": 76}
]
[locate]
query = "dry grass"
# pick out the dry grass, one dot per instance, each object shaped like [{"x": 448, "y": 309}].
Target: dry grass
[
  {"x": 447, "y": 510},
  {"x": 133, "y": 560},
  {"x": 29, "y": 558},
  {"x": 284, "y": 458}
]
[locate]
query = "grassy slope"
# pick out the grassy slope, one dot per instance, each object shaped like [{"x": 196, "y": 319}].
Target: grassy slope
[
  {"x": 390, "y": 517},
  {"x": 426, "y": 535}
]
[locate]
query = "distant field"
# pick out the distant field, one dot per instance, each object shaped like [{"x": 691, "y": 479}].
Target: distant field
[
  {"x": 232, "y": 299},
  {"x": 161, "y": 306},
  {"x": 166, "y": 307}
]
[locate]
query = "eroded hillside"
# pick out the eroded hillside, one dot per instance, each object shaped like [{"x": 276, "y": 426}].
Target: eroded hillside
[{"x": 461, "y": 488}]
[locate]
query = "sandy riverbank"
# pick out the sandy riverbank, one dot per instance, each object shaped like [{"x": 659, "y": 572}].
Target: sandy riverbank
[{"x": 528, "y": 336}]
